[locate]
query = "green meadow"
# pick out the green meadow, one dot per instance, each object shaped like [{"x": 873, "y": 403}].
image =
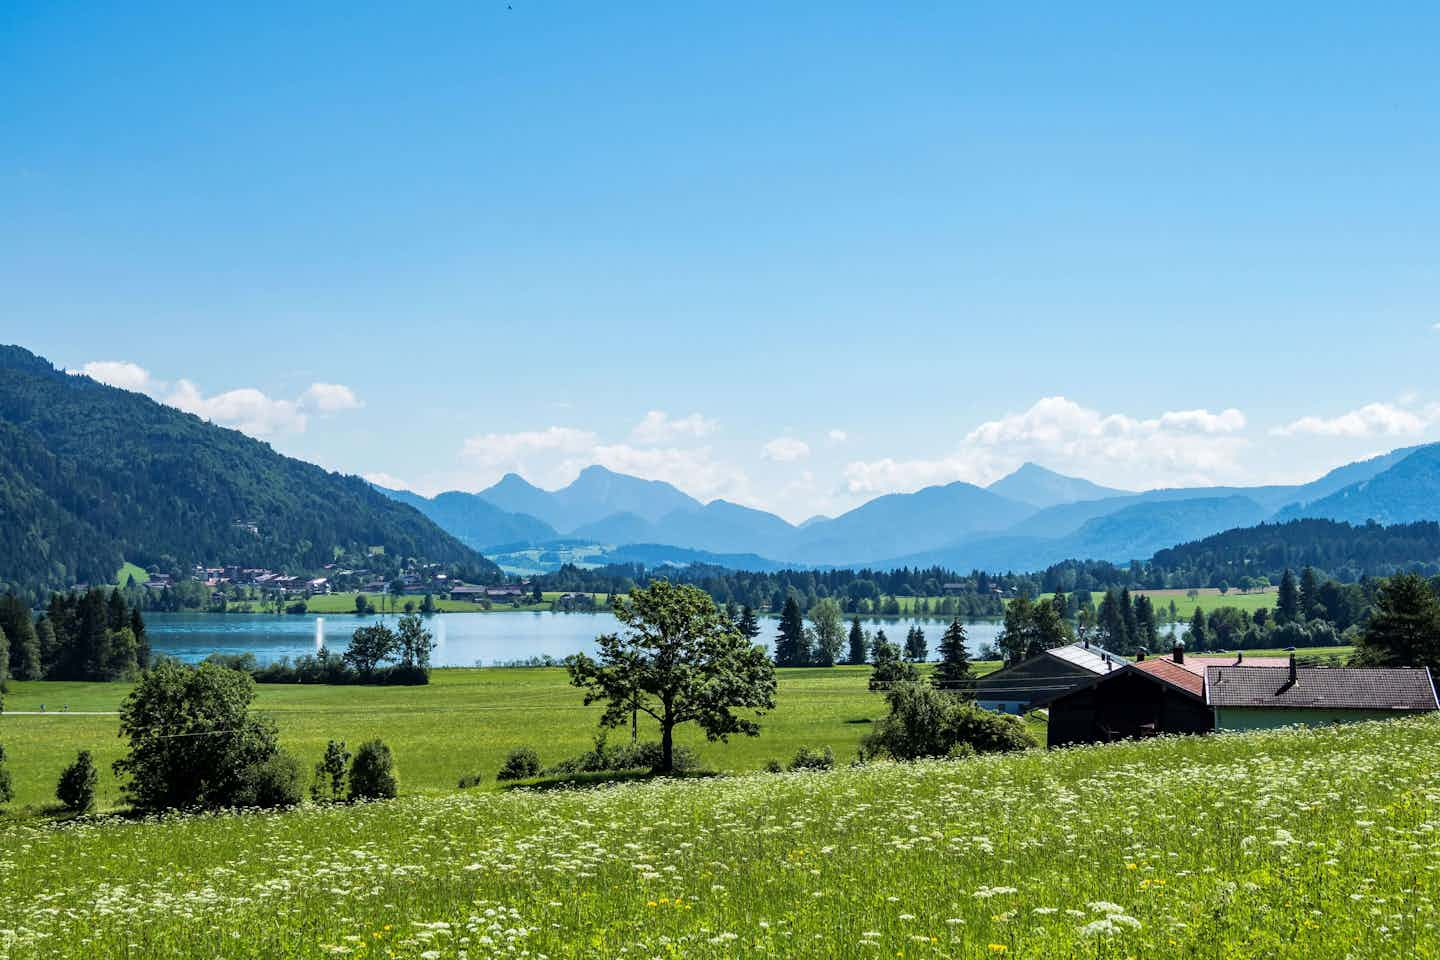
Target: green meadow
[
  {"x": 463, "y": 722},
  {"x": 1294, "y": 845}
]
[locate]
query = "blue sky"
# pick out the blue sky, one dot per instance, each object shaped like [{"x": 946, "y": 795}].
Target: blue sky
[{"x": 794, "y": 255}]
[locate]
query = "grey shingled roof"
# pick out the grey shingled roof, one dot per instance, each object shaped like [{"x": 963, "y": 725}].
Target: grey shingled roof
[{"x": 1321, "y": 688}]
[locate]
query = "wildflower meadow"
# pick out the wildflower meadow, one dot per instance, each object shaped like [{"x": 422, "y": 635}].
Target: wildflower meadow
[{"x": 1280, "y": 844}]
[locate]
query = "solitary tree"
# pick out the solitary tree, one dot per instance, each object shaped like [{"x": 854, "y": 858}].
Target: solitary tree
[
  {"x": 953, "y": 671},
  {"x": 792, "y": 647},
  {"x": 678, "y": 660},
  {"x": 889, "y": 667}
]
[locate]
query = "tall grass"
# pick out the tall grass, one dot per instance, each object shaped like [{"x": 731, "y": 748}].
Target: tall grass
[{"x": 1282, "y": 844}]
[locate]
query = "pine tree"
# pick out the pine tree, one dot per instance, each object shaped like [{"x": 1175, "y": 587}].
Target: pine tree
[
  {"x": 1309, "y": 594},
  {"x": 858, "y": 646},
  {"x": 1132, "y": 626},
  {"x": 792, "y": 645},
  {"x": 748, "y": 624},
  {"x": 953, "y": 671},
  {"x": 1195, "y": 638},
  {"x": 24, "y": 655},
  {"x": 915, "y": 648},
  {"x": 1147, "y": 634},
  {"x": 1287, "y": 603},
  {"x": 1017, "y": 636},
  {"x": 1404, "y": 630}
]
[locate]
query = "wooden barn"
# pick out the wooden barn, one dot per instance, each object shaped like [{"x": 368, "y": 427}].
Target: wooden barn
[
  {"x": 1141, "y": 699},
  {"x": 1038, "y": 680}
]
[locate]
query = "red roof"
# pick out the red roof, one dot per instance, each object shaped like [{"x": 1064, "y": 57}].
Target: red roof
[{"x": 1175, "y": 674}]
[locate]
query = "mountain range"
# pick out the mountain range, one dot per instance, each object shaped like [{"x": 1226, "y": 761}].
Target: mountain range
[{"x": 1026, "y": 520}]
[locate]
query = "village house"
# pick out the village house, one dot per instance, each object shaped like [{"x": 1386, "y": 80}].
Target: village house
[
  {"x": 1182, "y": 694},
  {"x": 1257, "y": 698},
  {"x": 1036, "y": 681}
]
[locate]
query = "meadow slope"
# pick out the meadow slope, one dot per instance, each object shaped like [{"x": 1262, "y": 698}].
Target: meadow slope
[{"x": 1283, "y": 844}]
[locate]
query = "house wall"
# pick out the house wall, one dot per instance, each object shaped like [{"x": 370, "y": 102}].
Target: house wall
[
  {"x": 1128, "y": 705},
  {"x": 1262, "y": 718}
]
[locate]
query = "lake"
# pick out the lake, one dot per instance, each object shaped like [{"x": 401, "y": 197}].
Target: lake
[{"x": 462, "y": 639}]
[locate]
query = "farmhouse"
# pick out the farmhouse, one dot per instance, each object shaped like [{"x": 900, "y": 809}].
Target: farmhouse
[
  {"x": 1256, "y": 697},
  {"x": 1042, "y": 678},
  {"x": 1140, "y": 699}
]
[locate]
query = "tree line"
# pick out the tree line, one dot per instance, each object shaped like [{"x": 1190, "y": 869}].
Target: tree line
[{"x": 95, "y": 635}]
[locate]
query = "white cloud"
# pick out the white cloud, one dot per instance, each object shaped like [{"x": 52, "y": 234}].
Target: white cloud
[
  {"x": 1176, "y": 447},
  {"x": 388, "y": 480},
  {"x": 657, "y": 426},
  {"x": 785, "y": 450},
  {"x": 329, "y": 398},
  {"x": 513, "y": 449},
  {"x": 837, "y": 435},
  {"x": 1371, "y": 420},
  {"x": 118, "y": 373},
  {"x": 247, "y": 409}
]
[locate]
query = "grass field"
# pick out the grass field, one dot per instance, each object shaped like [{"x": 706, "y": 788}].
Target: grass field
[
  {"x": 1287, "y": 844},
  {"x": 1208, "y": 599},
  {"x": 128, "y": 570},
  {"x": 464, "y": 721}
]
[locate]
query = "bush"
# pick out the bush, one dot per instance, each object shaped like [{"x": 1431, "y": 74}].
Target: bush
[
  {"x": 470, "y": 780},
  {"x": 270, "y": 784},
  {"x": 774, "y": 766},
  {"x": 329, "y": 785},
  {"x": 643, "y": 755},
  {"x": 174, "y": 719},
  {"x": 76, "y": 789},
  {"x": 7, "y": 792},
  {"x": 521, "y": 763},
  {"x": 372, "y": 773},
  {"x": 808, "y": 759},
  {"x": 925, "y": 722}
]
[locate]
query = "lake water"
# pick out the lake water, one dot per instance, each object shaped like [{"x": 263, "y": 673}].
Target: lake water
[{"x": 462, "y": 639}]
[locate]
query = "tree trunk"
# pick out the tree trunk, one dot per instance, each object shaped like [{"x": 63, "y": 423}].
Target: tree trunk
[{"x": 667, "y": 746}]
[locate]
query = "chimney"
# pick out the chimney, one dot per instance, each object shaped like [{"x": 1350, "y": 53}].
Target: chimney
[
  {"x": 1140, "y": 656},
  {"x": 1293, "y": 676},
  {"x": 1177, "y": 653},
  {"x": 1239, "y": 657}
]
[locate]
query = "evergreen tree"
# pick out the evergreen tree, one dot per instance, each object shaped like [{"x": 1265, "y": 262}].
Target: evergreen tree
[
  {"x": 24, "y": 654},
  {"x": 1309, "y": 594},
  {"x": 1195, "y": 636},
  {"x": 792, "y": 645},
  {"x": 1146, "y": 631},
  {"x": 1061, "y": 603},
  {"x": 915, "y": 648},
  {"x": 858, "y": 646},
  {"x": 1110, "y": 619},
  {"x": 828, "y": 635},
  {"x": 889, "y": 667},
  {"x": 1404, "y": 630},
  {"x": 1132, "y": 625},
  {"x": 1287, "y": 603},
  {"x": 45, "y": 632},
  {"x": 748, "y": 624},
  {"x": 953, "y": 671}
]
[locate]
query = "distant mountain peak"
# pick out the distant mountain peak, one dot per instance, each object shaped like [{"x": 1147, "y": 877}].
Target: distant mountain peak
[{"x": 1042, "y": 487}]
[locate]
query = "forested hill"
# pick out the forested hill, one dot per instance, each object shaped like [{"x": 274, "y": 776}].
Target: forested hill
[
  {"x": 91, "y": 475},
  {"x": 1339, "y": 550}
]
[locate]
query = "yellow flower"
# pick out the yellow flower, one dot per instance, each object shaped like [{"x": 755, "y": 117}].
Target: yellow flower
[{"x": 998, "y": 948}]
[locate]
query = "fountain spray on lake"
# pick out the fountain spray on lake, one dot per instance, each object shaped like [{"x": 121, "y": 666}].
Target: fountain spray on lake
[{"x": 319, "y": 634}]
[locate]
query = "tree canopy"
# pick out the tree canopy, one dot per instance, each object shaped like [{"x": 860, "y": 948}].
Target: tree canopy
[{"x": 678, "y": 659}]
